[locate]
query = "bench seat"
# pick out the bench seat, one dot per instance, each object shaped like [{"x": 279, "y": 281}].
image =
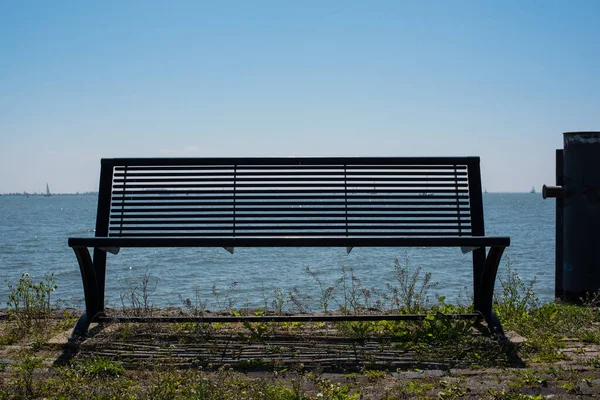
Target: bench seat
[{"x": 295, "y": 241}]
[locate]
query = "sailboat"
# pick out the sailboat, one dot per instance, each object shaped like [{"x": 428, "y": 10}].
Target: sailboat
[
  {"x": 532, "y": 190},
  {"x": 47, "y": 191}
]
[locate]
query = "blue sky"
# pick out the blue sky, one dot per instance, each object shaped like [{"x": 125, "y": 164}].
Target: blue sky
[{"x": 500, "y": 80}]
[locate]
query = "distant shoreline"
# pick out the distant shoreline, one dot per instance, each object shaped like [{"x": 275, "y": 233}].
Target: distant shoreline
[{"x": 53, "y": 194}]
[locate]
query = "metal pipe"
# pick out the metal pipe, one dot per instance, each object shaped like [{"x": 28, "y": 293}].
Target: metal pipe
[{"x": 556, "y": 192}]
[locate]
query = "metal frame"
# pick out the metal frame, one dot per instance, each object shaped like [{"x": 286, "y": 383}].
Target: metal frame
[{"x": 93, "y": 270}]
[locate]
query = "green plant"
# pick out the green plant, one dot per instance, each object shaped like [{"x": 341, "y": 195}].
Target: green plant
[
  {"x": 516, "y": 298},
  {"x": 359, "y": 330},
  {"x": 411, "y": 293},
  {"x": 279, "y": 391},
  {"x": 135, "y": 294},
  {"x": 451, "y": 391},
  {"x": 594, "y": 362},
  {"x": 279, "y": 301},
  {"x": 326, "y": 294},
  {"x": 529, "y": 379},
  {"x": 24, "y": 378},
  {"x": 590, "y": 336},
  {"x": 544, "y": 325},
  {"x": 99, "y": 367},
  {"x": 503, "y": 395},
  {"x": 356, "y": 297},
  {"x": 415, "y": 387},
  {"x": 67, "y": 321},
  {"x": 29, "y": 304},
  {"x": 224, "y": 301},
  {"x": 251, "y": 363},
  {"x": 38, "y": 344},
  {"x": 197, "y": 307},
  {"x": 256, "y": 330},
  {"x": 374, "y": 375},
  {"x": 336, "y": 391},
  {"x": 300, "y": 301}
]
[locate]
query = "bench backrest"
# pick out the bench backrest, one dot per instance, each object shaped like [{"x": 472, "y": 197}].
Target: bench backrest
[{"x": 265, "y": 197}]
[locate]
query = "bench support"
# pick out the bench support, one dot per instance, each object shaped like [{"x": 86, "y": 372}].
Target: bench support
[
  {"x": 484, "y": 289},
  {"x": 93, "y": 274}
]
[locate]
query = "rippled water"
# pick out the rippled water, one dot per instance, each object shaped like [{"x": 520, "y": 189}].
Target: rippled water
[{"x": 34, "y": 232}]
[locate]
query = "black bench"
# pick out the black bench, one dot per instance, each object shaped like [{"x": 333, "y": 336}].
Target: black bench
[{"x": 289, "y": 202}]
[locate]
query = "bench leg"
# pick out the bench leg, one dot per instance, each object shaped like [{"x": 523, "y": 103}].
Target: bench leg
[
  {"x": 93, "y": 276},
  {"x": 485, "y": 298}
]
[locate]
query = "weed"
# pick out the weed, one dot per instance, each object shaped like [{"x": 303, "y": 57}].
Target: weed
[
  {"x": 374, "y": 375},
  {"x": 336, "y": 391},
  {"x": 135, "y": 294},
  {"x": 451, "y": 391},
  {"x": 590, "y": 336},
  {"x": 594, "y": 362},
  {"x": 300, "y": 302},
  {"x": 29, "y": 304},
  {"x": 99, "y": 367},
  {"x": 411, "y": 293},
  {"x": 517, "y": 298},
  {"x": 281, "y": 392},
  {"x": 326, "y": 294},
  {"x": 569, "y": 387},
  {"x": 545, "y": 325},
  {"x": 224, "y": 301},
  {"x": 38, "y": 344},
  {"x": 197, "y": 307},
  {"x": 23, "y": 379},
  {"x": 279, "y": 301},
  {"x": 251, "y": 363},
  {"x": 503, "y": 395},
  {"x": 529, "y": 379},
  {"x": 417, "y": 388},
  {"x": 356, "y": 296},
  {"x": 257, "y": 330},
  {"x": 359, "y": 330},
  {"x": 66, "y": 322},
  {"x": 125, "y": 331}
]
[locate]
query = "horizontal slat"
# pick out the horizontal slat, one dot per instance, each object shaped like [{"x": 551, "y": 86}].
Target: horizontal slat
[
  {"x": 320, "y": 220},
  {"x": 295, "y": 169},
  {"x": 240, "y": 179},
  {"x": 334, "y": 225},
  {"x": 430, "y": 165},
  {"x": 423, "y": 216},
  {"x": 250, "y": 235},
  {"x": 422, "y": 209},
  {"x": 370, "y": 192},
  {"x": 323, "y": 185},
  {"x": 348, "y": 173},
  {"x": 239, "y": 197},
  {"x": 324, "y": 203}
]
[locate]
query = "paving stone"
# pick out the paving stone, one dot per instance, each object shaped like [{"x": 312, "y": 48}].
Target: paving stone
[{"x": 419, "y": 374}]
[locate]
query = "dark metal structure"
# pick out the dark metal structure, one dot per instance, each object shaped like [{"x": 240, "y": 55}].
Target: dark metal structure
[
  {"x": 577, "y": 194},
  {"x": 290, "y": 202}
]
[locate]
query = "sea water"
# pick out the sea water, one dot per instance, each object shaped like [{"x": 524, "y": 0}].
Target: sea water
[{"x": 34, "y": 232}]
